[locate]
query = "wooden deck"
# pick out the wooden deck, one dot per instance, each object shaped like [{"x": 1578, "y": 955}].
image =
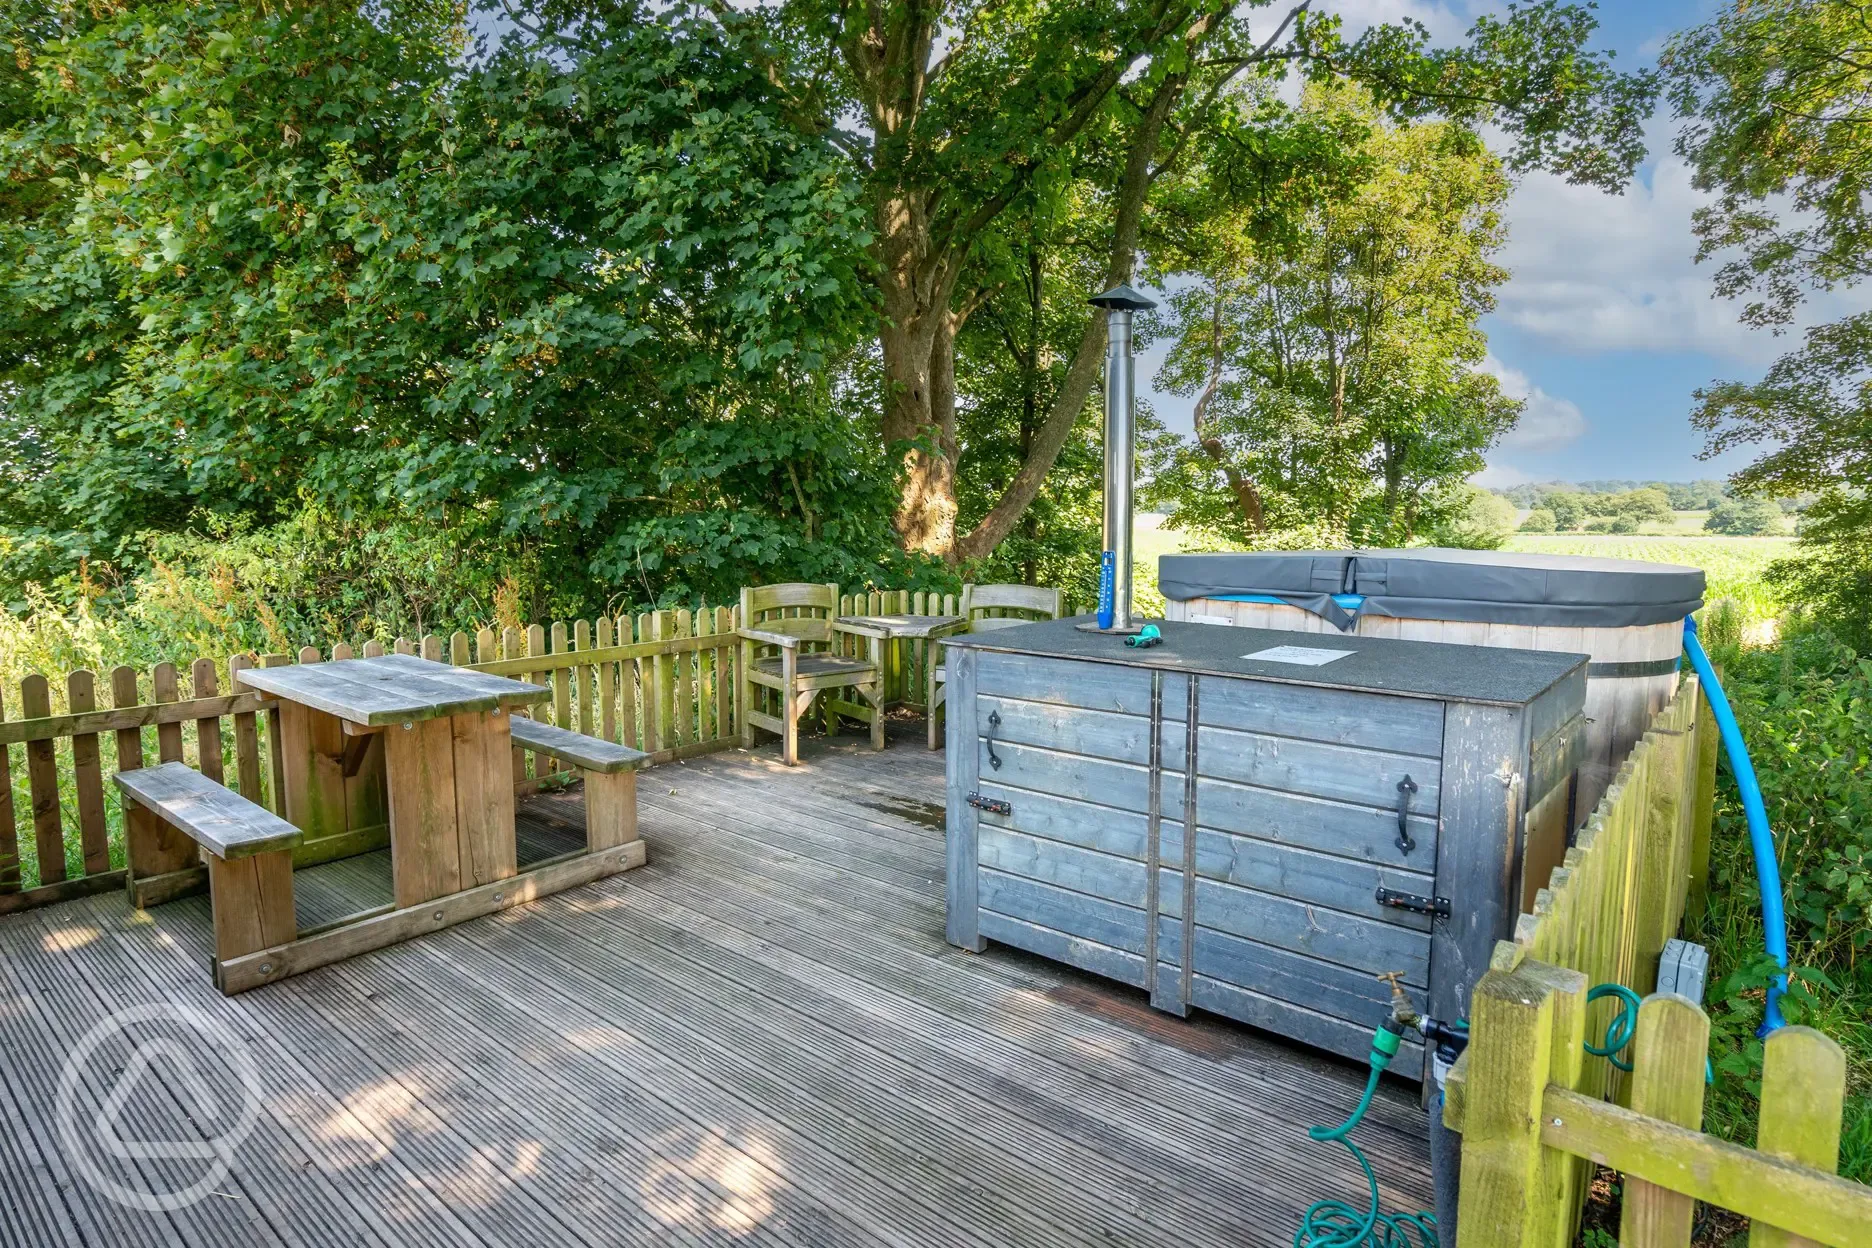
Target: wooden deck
[{"x": 761, "y": 1037}]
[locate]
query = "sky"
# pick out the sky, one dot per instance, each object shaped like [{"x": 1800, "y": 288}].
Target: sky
[{"x": 1607, "y": 325}]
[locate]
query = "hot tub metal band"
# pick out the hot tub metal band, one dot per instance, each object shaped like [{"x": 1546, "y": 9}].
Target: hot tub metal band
[{"x": 1153, "y": 846}]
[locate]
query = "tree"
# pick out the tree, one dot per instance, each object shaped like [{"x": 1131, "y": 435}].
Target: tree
[
  {"x": 592, "y": 306},
  {"x": 1539, "y": 520},
  {"x": 1650, "y": 504},
  {"x": 1478, "y": 520},
  {"x": 954, "y": 114},
  {"x": 1331, "y": 341},
  {"x": 1745, "y": 517},
  {"x": 1568, "y": 507},
  {"x": 1779, "y": 97}
]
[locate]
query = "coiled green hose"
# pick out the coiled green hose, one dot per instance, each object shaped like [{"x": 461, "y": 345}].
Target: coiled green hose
[{"x": 1337, "y": 1224}]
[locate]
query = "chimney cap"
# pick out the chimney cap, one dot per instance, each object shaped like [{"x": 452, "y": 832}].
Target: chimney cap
[{"x": 1122, "y": 297}]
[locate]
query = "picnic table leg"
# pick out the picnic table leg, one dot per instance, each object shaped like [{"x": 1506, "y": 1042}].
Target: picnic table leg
[
  {"x": 484, "y": 798},
  {"x": 312, "y": 748},
  {"x": 252, "y": 899},
  {"x": 610, "y": 809},
  {"x": 425, "y": 845},
  {"x": 451, "y": 805}
]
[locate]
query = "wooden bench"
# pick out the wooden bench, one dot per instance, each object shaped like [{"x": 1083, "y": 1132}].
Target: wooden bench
[
  {"x": 610, "y": 773},
  {"x": 247, "y": 848}
]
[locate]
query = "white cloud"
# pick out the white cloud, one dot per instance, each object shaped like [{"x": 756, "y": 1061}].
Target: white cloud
[
  {"x": 1547, "y": 422},
  {"x": 1501, "y": 477}
]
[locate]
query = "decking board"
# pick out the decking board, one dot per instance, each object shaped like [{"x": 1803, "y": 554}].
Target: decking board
[{"x": 759, "y": 1038}]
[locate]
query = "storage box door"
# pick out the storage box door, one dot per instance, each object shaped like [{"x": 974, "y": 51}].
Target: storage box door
[
  {"x": 1062, "y": 759},
  {"x": 1309, "y": 802}
]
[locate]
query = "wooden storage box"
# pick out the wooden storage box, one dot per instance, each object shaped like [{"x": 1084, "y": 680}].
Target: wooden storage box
[{"x": 1069, "y": 775}]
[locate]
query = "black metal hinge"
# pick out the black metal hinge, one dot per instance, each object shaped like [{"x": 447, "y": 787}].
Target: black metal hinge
[
  {"x": 993, "y": 806},
  {"x": 1438, "y": 907}
]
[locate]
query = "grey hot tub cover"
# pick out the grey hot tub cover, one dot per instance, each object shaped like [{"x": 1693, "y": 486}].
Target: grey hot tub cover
[{"x": 1488, "y": 586}]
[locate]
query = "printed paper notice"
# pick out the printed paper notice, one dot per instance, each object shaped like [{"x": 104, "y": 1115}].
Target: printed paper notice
[{"x": 1303, "y": 655}]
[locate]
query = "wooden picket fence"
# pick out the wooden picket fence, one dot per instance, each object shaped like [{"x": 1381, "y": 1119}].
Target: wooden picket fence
[
  {"x": 1536, "y": 1111},
  {"x": 660, "y": 681}
]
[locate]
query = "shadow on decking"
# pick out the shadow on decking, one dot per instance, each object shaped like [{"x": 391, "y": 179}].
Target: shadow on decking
[{"x": 761, "y": 1037}]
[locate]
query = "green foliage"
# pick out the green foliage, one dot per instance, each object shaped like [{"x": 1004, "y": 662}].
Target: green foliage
[
  {"x": 1744, "y": 517},
  {"x": 1539, "y": 520},
  {"x": 1833, "y": 573},
  {"x": 1779, "y": 93},
  {"x": 1332, "y": 340},
  {"x": 588, "y": 306},
  {"x": 1805, "y": 709},
  {"x": 1483, "y": 521}
]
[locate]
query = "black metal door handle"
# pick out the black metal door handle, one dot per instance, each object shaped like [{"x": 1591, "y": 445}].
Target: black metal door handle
[
  {"x": 1405, "y": 788},
  {"x": 994, "y": 722}
]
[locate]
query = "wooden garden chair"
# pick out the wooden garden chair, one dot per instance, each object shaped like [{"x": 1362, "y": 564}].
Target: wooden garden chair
[
  {"x": 793, "y": 643},
  {"x": 988, "y": 607}
]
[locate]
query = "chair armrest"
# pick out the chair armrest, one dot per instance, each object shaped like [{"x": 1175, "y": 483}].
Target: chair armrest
[
  {"x": 782, "y": 640},
  {"x": 860, "y": 630}
]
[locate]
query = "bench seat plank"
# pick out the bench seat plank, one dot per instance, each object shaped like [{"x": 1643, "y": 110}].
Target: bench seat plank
[
  {"x": 223, "y": 822},
  {"x": 590, "y": 753}
]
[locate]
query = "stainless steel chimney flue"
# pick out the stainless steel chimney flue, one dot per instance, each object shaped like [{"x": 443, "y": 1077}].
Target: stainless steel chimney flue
[{"x": 1119, "y": 303}]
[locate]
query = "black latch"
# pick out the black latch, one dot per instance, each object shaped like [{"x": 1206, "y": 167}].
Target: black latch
[
  {"x": 1438, "y": 907},
  {"x": 993, "y": 806}
]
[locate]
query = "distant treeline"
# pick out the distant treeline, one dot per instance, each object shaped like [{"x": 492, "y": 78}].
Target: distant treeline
[
  {"x": 1625, "y": 506},
  {"x": 1684, "y": 495}
]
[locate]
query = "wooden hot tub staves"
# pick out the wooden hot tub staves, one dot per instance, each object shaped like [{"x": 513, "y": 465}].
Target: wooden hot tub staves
[{"x": 1372, "y": 814}]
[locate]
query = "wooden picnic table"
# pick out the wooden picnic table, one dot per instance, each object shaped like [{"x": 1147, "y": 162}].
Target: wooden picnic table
[{"x": 407, "y": 745}]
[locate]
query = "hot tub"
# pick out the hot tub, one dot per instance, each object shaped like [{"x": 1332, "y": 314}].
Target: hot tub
[{"x": 1624, "y": 614}]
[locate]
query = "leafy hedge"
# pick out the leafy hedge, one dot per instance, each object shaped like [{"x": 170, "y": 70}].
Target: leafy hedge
[{"x": 1805, "y": 708}]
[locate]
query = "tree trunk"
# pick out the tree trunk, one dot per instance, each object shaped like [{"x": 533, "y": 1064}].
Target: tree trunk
[
  {"x": 916, "y": 336},
  {"x": 1083, "y": 372}
]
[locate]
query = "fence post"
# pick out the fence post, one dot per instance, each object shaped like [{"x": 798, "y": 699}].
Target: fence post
[
  {"x": 1703, "y": 814},
  {"x": 1506, "y": 1201},
  {"x": 1666, "y": 1083},
  {"x": 1802, "y": 1094}
]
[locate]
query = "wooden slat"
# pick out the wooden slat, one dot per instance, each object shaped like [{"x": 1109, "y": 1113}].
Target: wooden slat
[
  {"x": 1667, "y": 1085},
  {"x": 88, "y": 777},
  {"x": 246, "y": 739},
  {"x": 9, "y": 829},
  {"x": 683, "y": 691},
  {"x": 582, "y": 677},
  {"x": 205, "y": 683},
  {"x": 629, "y": 732},
  {"x": 727, "y": 671},
  {"x": 511, "y": 650},
  {"x": 607, "y": 684},
  {"x": 535, "y": 648},
  {"x": 42, "y": 784},
  {"x": 561, "y": 682},
  {"x": 1803, "y": 1094}
]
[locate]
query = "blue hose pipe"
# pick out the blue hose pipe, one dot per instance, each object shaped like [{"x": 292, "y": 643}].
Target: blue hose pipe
[{"x": 1761, "y": 841}]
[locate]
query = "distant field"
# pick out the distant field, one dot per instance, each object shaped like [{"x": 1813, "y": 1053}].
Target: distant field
[{"x": 1733, "y": 565}]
